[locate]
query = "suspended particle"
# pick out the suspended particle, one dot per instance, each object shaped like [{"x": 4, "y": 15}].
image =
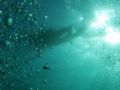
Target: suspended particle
[
  {"x": 31, "y": 89},
  {"x": 0, "y": 12},
  {"x": 10, "y": 21},
  {"x": 45, "y": 82},
  {"x": 46, "y": 17},
  {"x": 43, "y": 86}
]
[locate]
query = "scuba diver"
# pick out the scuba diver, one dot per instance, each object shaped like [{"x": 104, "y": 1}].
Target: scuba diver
[
  {"x": 52, "y": 37},
  {"x": 45, "y": 38}
]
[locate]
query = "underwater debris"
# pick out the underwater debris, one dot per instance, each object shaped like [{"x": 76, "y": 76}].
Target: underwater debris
[
  {"x": 45, "y": 82},
  {"x": 46, "y": 67}
]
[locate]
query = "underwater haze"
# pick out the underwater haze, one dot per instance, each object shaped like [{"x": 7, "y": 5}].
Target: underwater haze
[{"x": 59, "y": 45}]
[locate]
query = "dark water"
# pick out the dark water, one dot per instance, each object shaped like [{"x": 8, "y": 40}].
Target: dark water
[{"x": 59, "y": 45}]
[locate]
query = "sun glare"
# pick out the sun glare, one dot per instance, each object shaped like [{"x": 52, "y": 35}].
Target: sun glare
[
  {"x": 101, "y": 18},
  {"x": 112, "y": 37}
]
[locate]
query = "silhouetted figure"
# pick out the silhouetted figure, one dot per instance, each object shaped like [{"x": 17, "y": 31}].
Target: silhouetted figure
[
  {"x": 24, "y": 42},
  {"x": 19, "y": 43},
  {"x": 51, "y": 37}
]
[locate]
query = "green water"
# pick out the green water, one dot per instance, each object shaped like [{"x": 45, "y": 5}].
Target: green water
[{"x": 59, "y": 45}]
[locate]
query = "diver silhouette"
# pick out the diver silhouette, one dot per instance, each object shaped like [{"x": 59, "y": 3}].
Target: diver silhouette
[
  {"x": 45, "y": 37},
  {"x": 38, "y": 40},
  {"x": 52, "y": 37}
]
